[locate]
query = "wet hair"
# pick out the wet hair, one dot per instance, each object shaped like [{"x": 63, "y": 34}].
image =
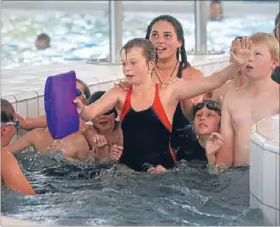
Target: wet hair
[
  {"x": 148, "y": 49},
  {"x": 181, "y": 52},
  {"x": 97, "y": 95},
  {"x": 7, "y": 111},
  {"x": 269, "y": 40},
  {"x": 44, "y": 37},
  {"x": 86, "y": 88}
]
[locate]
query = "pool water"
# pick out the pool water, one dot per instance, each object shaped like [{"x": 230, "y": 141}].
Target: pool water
[
  {"x": 82, "y": 36},
  {"x": 104, "y": 194},
  {"x": 109, "y": 195}
]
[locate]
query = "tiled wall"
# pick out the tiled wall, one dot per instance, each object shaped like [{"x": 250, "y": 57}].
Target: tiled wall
[
  {"x": 264, "y": 168},
  {"x": 24, "y": 86},
  {"x": 27, "y": 95}
]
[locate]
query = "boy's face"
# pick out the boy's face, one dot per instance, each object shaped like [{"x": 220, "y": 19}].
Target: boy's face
[
  {"x": 260, "y": 63},
  {"x": 206, "y": 121},
  {"x": 81, "y": 88},
  {"x": 134, "y": 65},
  {"x": 105, "y": 122}
]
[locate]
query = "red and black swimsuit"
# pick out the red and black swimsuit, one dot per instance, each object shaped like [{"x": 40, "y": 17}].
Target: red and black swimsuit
[{"x": 146, "y": 135}]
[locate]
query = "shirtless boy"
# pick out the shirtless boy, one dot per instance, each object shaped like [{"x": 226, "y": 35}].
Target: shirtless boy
[
  {"x": 82, "y": 91},
  {"x": 105, "y": 136},
  {"x": 11, "y": 175},
  {"x": 73, "y": 146},
  {"x": 244, "y": 106}
]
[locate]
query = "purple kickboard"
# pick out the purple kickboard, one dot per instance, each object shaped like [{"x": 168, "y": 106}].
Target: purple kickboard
[{"x": 62, "y": 115}]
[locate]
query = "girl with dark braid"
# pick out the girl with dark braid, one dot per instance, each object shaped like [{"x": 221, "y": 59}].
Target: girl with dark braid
[{"x": 167, "y": 35}]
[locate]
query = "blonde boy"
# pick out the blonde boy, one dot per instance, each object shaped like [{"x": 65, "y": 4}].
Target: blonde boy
[{"x": 255, "y": 100}]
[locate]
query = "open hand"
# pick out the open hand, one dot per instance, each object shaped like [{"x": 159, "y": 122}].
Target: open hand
[
  {"x": 214, "y": 143},
  {"x": 168, "y": 81},
  {"x": 242, "y": 52},
  {"x": 122, "y": 84},
  {"x": 99, "y": 141},
  {"x": 116, "y": 152}
]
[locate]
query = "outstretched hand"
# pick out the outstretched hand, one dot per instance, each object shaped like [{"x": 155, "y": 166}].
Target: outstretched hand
[
  {"x": 243, "y": 52},
  {"x": 169, "y": 80},
  {"x": 123, "y": 84}
]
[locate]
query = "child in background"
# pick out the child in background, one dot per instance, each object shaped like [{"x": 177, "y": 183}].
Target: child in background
[{"x": 105, "y": 137}]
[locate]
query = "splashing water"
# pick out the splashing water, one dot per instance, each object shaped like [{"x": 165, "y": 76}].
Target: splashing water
[{"x": 110, "y": 195}]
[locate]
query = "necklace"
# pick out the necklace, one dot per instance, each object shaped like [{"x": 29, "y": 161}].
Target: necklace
[{"x": 169, "y": 75}]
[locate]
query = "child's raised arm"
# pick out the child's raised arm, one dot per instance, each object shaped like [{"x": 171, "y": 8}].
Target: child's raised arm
[
  {"x": 31, "y": 123},
  {"x": 187, "y": 89},
  {"x": 107, "y": 102},
  {"x": 22, "y": 143}
]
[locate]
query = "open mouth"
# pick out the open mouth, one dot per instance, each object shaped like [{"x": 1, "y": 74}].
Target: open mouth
[
  {"x": 249, "y": 67},
  {"x": 129, "y": 76},
  {"x": 104, "y": 123},
  {"x": 160, "y": 49},
  {"x": 202, "y": 125}
]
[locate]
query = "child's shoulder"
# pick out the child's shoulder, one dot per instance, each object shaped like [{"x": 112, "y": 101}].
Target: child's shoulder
[{"x": 192, "y": 73}]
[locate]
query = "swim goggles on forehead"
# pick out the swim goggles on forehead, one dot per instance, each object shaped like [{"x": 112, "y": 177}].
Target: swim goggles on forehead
[
  {"x": 16, "y": 123},
  {"x": 210, "y": 104}
]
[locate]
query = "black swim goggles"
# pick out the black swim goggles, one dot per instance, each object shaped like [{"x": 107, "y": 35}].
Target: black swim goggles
[{"x": 210, "y": 104}]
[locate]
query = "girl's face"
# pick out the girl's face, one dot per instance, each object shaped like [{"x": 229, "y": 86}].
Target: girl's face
[
  {"x": 165, "y": 39},
  {"x": 134, "y": 65}
]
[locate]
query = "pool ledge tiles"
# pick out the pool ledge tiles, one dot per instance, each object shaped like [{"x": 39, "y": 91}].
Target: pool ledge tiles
[{"x": 264, "y": 168}]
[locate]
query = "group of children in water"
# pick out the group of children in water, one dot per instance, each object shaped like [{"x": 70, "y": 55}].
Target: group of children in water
[{"x": 145, "y": 121}]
